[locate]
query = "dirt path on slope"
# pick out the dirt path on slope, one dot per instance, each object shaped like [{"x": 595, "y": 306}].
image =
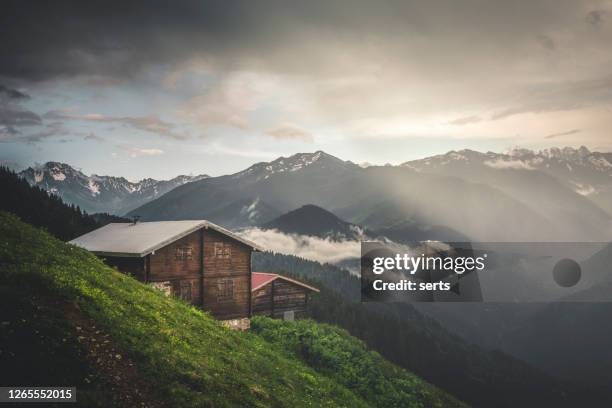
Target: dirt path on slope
[{"x": 128, "y": 388}]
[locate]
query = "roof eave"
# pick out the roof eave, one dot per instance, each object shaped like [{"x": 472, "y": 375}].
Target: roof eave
[
  {"x": 255, "y": 247},
  {"x": 119, "y": 254},
  {"x": 264, "y": 284},
  {"x": 296, "y": 282},
  {"x": 299, "y": 283}
]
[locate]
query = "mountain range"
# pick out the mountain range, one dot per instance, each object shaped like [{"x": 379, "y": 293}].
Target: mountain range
[
  {"x": 550, "y": 195},
  {"x": 461, "y": 193},
  {"x": 255, "y": 195},
  {"x": 94, "y": 194},
  {"x": 587, "y": 173}
]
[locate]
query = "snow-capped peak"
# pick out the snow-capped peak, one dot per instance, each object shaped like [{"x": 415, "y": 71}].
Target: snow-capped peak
[
  {"x": 57, "y": 171},
  {"x": 97, "y": 193},
  {"x": 564, "y": 153},
  {"x": 555, "y": 161},
  {"x": 299, "y": 161}
]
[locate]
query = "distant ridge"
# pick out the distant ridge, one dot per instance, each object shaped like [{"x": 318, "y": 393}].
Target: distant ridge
[
  {"x": 37, "y": 207},
  {"x": 114, "y": 195}
]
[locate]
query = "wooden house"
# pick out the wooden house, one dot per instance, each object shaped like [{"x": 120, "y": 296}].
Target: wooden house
[
  {"x": 278, "y": 296},
  {"x": 198, "y": 261}
]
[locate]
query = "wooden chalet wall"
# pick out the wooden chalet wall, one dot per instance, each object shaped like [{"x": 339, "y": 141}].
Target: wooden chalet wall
[
  {"x": 278, "y": 297},
  {"x": 227, "y": 269},
  {"x": 223, "y": 274},
  {"x": 179, "y": 271}
]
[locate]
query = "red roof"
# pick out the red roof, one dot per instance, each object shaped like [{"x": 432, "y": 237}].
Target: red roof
[{"x": 260, "y": 279}]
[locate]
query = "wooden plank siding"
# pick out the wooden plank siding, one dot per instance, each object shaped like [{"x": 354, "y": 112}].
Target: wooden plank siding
[
  {"x": 219, "y": 269},
  {"x": 278, "y": 297},
  {"x": 262, "y": 301},
  {"x": 182, "y": 271},
  {"x": 204, "y": 262}
]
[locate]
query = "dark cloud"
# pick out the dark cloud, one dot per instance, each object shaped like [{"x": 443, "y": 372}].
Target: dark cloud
[
  {"x": 16, "y": 116},
  {"x": 42, "y": 40},
  {"x": 13, "y": 116},
  {"x": 32, "y": 136},
  {"x": 567, "y": 133},
  {"x": 19, "y": 124},
  {"x": 152, "y": 124},
  {"x": 12, "y": 94},
  {"x": 49, "y": 130},
  {"x": 356, "y": 67}
]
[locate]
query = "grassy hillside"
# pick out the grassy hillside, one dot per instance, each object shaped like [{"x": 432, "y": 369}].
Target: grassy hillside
[
  {"x": 68, "y": 319},
  {"x": 345, "y": 359}
]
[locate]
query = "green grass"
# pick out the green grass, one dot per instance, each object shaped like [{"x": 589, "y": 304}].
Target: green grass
[
  {"x": 345, "y": 359},
  {"x": 187, "y": 357}
]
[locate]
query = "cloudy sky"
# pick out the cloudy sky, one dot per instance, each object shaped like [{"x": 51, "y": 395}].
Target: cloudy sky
[{"x": 164, "y": 88}]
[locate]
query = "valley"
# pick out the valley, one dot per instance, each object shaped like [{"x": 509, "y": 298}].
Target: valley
[{"x": 318, "y": 207}]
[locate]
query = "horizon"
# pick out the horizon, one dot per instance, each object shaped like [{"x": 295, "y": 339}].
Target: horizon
[{"x": 362, "y": 164}]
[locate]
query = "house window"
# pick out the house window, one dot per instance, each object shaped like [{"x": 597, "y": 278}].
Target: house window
[
  {"x": 185, "y": 293},
  {"x": 223, "y": 250},
  {"x": 183, "y": 253},
  {"x": 225, "y": 290}
]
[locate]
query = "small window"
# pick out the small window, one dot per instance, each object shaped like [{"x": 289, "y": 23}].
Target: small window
[
  {"x": 225, "y": 290},
  {"x": 223, "y": 250},
  {"x": 183, "y": 253},
  {"x": 186, "y": 291}
]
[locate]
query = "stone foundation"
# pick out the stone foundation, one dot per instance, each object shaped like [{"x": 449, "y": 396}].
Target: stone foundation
[{"x": 237, "y": 324}]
